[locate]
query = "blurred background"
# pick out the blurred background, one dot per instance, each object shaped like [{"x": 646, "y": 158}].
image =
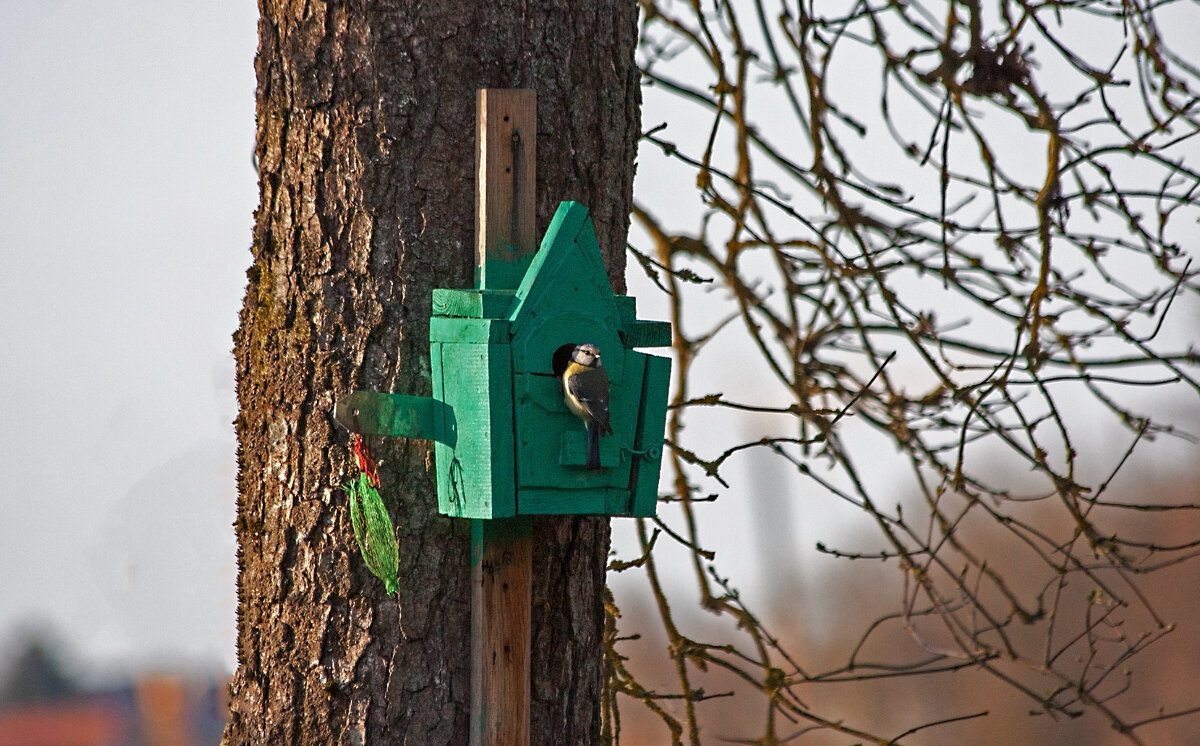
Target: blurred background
[{"x": 126, "y": 196}]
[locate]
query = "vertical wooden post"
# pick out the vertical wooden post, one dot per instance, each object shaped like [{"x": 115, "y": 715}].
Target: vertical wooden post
[
  {"x": 501, "y": 576},
  {"x": 501, "y": 550},
  {"x": 505, "y": 208}
]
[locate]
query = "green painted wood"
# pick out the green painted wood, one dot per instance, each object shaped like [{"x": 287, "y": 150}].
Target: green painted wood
[
  {"x": 572, "y": 450},
  {"x": 476, "y": 304},
  {"x": 650, "y": 429},
  {"x": 394, "y": 415},
  {"x": 451, "y": 489},
  {"x": 535, "y": 339},
  {"x": 646, "y": 333},
  {"x": 443, "y": 453},
  {"x": 565, "y": 298},
  {"x": 475, "y": 478},
  {"x": 616, "y": 502},
  {"x": 551, "y": 451},
  {"x": 542, "y": 421},
  {"x": 572, "y": 502},
  {"x": 567, "y": 276},
  {"x": 469, "y": 331},
  {"x": 626, "y": 306}
]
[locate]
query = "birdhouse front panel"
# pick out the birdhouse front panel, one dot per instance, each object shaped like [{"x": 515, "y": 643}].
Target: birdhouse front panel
[{"x": 542, "y": 416}]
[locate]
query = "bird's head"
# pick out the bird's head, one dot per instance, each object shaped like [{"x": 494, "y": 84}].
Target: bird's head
[{"x": 587, "y": 355}]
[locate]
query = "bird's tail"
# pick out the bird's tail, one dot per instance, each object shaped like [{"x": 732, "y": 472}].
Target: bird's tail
[{"x": 593, "y": 446}]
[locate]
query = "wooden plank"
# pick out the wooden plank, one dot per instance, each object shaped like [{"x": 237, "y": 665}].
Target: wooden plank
[
  {"x": 595, "y": 501},
  {"x": 651, "y": 425},
  {"x": 501, "y": 578},
  {"x": 646, "y": 333},
  {"x": 469, "y": 331},
  {"x": 479, "y": 476},
  {"x": 501, "y": 553},
  {"x": 505, "y": 159},
  {"x": 394, "y": 415},
  {"x": 572, "y": 452},
  {"x": 627, "y": 307},
  {"x": 476, "y": 304}
]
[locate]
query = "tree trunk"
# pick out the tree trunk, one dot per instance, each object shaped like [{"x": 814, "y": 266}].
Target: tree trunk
[{"x": 365, "y": 148}]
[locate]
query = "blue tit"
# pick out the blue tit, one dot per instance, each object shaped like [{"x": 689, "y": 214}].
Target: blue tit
[{"x": 585, "y": 390}]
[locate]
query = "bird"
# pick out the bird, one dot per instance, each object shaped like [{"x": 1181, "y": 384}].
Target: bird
[{"x": 585, "y": 391}]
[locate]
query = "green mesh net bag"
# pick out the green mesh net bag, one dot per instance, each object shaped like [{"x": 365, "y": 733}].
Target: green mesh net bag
[{"x": 372, "y": 525}]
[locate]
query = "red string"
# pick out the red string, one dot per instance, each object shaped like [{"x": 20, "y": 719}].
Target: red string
[{"x": 365, "y": 463}]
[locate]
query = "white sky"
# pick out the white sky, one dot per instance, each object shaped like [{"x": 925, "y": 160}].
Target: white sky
[{"x": 126, "y": 199}]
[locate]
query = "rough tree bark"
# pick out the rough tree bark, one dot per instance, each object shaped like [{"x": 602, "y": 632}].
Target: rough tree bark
[{"x": 365, "y": 149}]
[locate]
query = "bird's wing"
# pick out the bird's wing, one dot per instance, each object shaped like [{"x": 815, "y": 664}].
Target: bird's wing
[{"x": 597, "y": 413}]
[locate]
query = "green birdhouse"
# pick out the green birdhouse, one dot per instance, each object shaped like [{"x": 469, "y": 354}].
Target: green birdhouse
[
  {"x": 505, "y": 442},
  {"x": 516, "y": 448}
]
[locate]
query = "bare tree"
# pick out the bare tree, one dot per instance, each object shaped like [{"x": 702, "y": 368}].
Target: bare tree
[
  {"x": 365, "y": 125},
  {"x": 952, "y": 231}
]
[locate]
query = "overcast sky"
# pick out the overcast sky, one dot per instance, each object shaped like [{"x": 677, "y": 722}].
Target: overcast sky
[{"x": 126, "y": 194}]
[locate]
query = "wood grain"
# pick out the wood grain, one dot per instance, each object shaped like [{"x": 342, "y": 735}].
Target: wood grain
[
  {"x": 505, "y": 163},
  {"x": 501, "y": 579},
  {"x": 501, "y": 549}
]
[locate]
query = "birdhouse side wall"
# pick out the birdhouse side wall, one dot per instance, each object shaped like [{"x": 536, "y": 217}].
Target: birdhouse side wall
[{"x": 475, "y": 476}]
